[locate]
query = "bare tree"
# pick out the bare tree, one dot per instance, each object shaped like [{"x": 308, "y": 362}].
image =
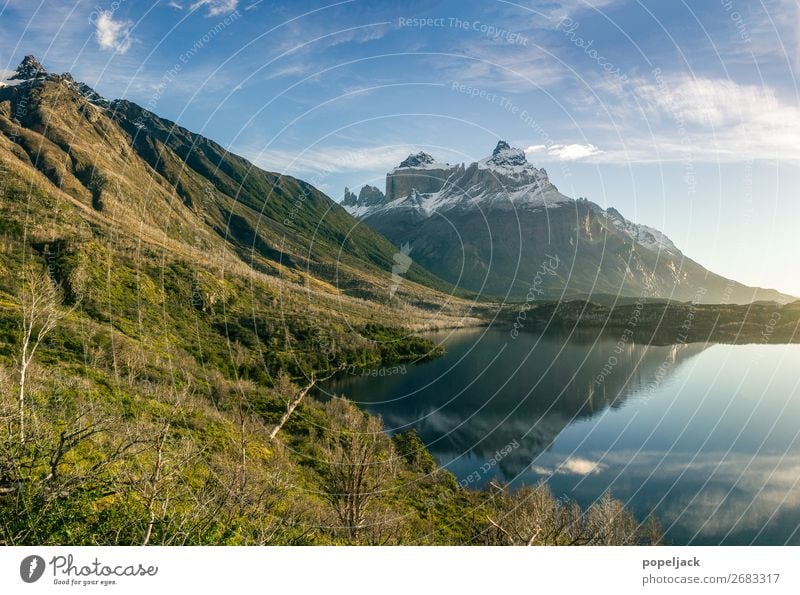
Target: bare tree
[
  {"x": 358, "y": 460},
  {"x": 42, "y": 310},
  {"x": 532, "y": 516},
  {"x": 41, "y": 476},
  {"x": 7, "y": 410},
  {"x": 285, "y": 386},
  {"x": 157, "y": 478},
  {"x": 293, "y": 400},
  {"x": 610, "y": 523}
]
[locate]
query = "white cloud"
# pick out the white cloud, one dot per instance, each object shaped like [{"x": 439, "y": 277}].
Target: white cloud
[
  {"x": 536, "y": 149},
  {"x": 571, "y": 152},
  {"x": 578, "y": 466},
  {"x": 331, "y": 159},
  {"x": 710, "y": 102},
  {"x": 113, "y": 35},
  {"x": 571, "y": 466},
  {"x": 216, "y": 7},
  {"x": 723, "y": 119},
  {"x": 695, "y": 119}
]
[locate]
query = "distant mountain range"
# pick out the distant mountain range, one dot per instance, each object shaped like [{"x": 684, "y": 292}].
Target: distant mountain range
[{"x": 500, "y": 227}]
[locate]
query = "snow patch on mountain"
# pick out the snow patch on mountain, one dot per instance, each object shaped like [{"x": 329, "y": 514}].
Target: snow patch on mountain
[
  {"x": 643, "y": 235},
  {"x": 7, "y": 78},
  {"x": 505, "y": 179},
  {"x": 421, "y": 161}
]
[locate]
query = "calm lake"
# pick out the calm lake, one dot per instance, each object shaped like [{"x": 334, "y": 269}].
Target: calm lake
[{"x": 705, "y": 436}]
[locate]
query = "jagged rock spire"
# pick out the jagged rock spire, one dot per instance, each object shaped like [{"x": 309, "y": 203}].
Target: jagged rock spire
[
  {"x": 501, "y": 146},
  {"x": 505, "y": 154},
  {"x": 420, "y": 158},
  {"x": 29, "y": 68}
]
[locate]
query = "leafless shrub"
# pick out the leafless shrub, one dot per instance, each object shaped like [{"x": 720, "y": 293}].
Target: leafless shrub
[
  {"x": 357, "y": 456},
  {"x": 532, "y": 516}
]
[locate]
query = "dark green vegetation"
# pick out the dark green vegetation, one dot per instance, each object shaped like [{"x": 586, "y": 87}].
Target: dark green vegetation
[
  {"x": 398, "y": 346},
  {"x": 163, "y": 305},
  {"x": 662, "y": 323}
]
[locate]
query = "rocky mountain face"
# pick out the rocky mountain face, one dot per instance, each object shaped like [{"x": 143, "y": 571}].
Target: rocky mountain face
[
  {"x": 369, "y": 196},
  {"x": 498, "y": 226},
  {"x": 418, "y": 172},
  {"x": 114, "y": 161},
  {"x": 30, "y": 68},
  {"x": 420, "y": 185}
]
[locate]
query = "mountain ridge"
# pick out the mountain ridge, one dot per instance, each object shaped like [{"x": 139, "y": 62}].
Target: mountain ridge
[
  {"x": 482, "y": 225},
  {"x": 153, "y": 174}
]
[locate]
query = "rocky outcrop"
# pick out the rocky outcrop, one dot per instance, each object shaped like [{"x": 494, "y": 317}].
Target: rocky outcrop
[
  {"x": 350, "y": 199},
  {"x": 370, "y": 195},
  {"x": 419, "y": 172},
  {"x": 29, "y": 68}
]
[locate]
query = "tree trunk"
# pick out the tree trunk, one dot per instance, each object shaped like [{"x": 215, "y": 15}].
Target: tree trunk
[
  {"x": 23, "y": 374},
  {"x": 290, "y": 407},
  {"x": 154, "y": 480}
]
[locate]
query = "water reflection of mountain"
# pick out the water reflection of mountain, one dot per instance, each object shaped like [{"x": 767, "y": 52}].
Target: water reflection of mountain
[{"x": 491, "y": 390}]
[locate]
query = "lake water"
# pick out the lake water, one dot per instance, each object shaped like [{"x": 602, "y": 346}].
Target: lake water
[{"x": 705, "y": 436}]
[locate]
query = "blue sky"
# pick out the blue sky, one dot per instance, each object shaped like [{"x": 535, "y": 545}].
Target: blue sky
[{"x": 682, "y": 115}]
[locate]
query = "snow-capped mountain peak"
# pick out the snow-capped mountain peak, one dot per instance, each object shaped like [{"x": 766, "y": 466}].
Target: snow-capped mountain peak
[
  {"x": 505, "y": 154},
  {"x": 512, "y": 168},
  {"x": 421, "y": 159},
  {"x": 30, "y": 73},
  {"x": 420, "y": 183},
  {"x": 29, "y": 68},
  {"x": 422, "y": 186}
]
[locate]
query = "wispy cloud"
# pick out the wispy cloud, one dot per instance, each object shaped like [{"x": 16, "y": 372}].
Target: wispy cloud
[
  {"x": 797, "y": 37},
  {"x": 570, "y": 152},
  {"x": 488, "y": 70},
  {"x": 498, "y": 64},
  {"x": 711, "y": 102},
  {"x": 566, "y": 8},
  {"x": 330, "y": 159},
  {"x": 215, "y": 7},
  {"x": 723, "y": 119},
  {"x": 302, "y": 45},
  {"x": 678, "y": 117},
  {"x": 770, "y": 34},
  {"x": 113, "y": 35}
]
